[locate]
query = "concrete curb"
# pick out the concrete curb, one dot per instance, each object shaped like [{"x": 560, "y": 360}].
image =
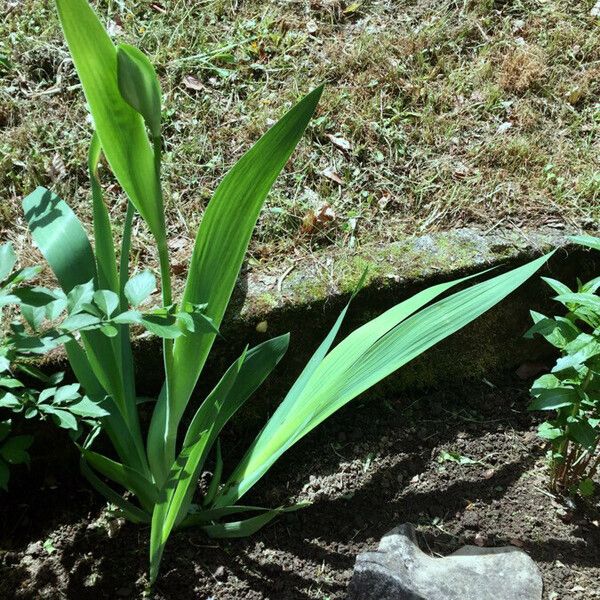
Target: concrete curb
[{"x": 305, "y": 296}]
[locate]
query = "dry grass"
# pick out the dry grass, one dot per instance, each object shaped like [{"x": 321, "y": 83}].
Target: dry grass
[
  {"x": 458, "y": 113},
  {"x": 522, "y": 68}
]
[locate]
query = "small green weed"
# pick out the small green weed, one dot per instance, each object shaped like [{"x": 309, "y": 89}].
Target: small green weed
[{"x": 571, "y": 391}]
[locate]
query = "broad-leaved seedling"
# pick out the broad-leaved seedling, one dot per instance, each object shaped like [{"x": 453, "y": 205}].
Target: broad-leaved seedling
[{"x": 571, "y": 391}]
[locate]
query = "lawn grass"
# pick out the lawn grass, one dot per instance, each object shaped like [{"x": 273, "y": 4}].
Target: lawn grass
[{"x": 436, "y": 115}]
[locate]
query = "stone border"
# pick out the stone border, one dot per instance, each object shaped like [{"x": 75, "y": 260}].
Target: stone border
[
  {"x": 304, "y": 296},
  {"x": 306, "y": 301}
]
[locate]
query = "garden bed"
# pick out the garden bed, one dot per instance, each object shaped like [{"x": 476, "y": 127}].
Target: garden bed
[
  {"x": 423, "y": 185},
  {"x": 370, "y": 467}
]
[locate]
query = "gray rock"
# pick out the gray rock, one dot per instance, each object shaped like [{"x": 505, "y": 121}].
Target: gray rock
[{"x": 400, "y": 570}]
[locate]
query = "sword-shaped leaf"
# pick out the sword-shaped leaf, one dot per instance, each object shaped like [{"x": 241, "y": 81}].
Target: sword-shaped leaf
[
  {"x": 119, "y": 126},
  {"x": 58, "y": 233},
  {"x": 106, "y": 261},
  {"x": 219, "y": 250},
  {"x": 234, "y": 388},
  {"x": 361, "y": 360},
  {"x": 62, "y": 240}
]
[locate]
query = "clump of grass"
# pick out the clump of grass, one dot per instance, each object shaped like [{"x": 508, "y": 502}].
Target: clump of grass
[{"x": 522, "y": 69}]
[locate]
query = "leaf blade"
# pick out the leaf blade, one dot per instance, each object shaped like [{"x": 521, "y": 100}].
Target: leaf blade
[
  {"x": 335, "y": 382},
  {"x": 226, "y": 228},
  {"x": 234, "y": 388},
  {"x": 120, "y": 127},
  {"x": 220, "y": 246}
]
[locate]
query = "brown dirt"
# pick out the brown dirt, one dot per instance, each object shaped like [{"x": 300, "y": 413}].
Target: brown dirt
[{"x": 368, "y": 469}]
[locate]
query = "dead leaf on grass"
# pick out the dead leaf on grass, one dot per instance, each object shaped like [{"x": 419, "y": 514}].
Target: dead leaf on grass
[
  {"x": 575, "y": 94},
  {"x": 192, "y": 83},
  {"x": 311, "y": 26},
  {"x": 489, "y": 473},
  {"x": 332, "y": 174},
  {"x": 325, "y": 213},
  {"x": 319, "y": 217},
  {"x": 178, "y": 268},
  {"x": 340, "y": 142},
  {"x": 57, "y": 169},
  {"x": 177, "y": 243},
  {"x": 384, "y": 201},
  {"x": 504, "y": 127},
  {"x": 115, "y": 27},
  {"x": 460, "y": 171}
]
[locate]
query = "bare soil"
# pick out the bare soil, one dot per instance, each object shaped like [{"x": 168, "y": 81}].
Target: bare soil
[{"x": 368, "y": 469}]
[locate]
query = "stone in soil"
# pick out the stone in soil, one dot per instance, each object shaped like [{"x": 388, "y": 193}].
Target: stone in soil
[{"x": 400, "y": 570}]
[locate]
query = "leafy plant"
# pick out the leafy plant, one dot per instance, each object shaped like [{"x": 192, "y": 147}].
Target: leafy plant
[
  {"x": 53, "y": 318},
  {"x": 457, "y": 457},
  {"x": 62, "y": 404},
  {"x": 571, "y": 391},
  {"x": 13, "y": 451},
  {"x": 124, "y": 97}
]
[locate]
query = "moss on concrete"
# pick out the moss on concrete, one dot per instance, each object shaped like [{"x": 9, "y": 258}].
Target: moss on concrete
[{"x": 335, "y": 273}]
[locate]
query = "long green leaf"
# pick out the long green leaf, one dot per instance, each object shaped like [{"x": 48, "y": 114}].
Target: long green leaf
[
  {"x": 129, "y": 510},
  {"x": 62, "y": 240},
  {"x": 83, "y": 371},
  {"x": 205, "y": 517},
  {"x": 361, "y": 360},
  {"x": 234, "y": 388},
  {"x": 120, "y": 127},
  {"x": 586, "y": 240},
  {"x": 246, "y": 527},
  {"x": 8, "y": 259},
  {"x": 114, "y": 425},
  {"x": 183, "y": 475},
  {"x": 355, "y": 344},
  {"x": 125, "y": 476},
  {"x": 219, "y": 250},
  {"x": 226, "y": 228},
  {"x": 106, "y": 261},
  {"x": 125, "y": 340}
]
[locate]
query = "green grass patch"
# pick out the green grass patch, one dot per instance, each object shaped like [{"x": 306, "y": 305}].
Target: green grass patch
[{"x": 436, "y": 115}]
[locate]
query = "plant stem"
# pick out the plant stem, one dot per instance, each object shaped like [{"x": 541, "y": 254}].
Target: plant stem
[
  {"x": 125, "y": 251},
  {"x": 163, "y": 251},
  {"x": 167, "y": 299},
  {"x": 126, "y": 353},
  {"x": 170, "y": 433}
]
